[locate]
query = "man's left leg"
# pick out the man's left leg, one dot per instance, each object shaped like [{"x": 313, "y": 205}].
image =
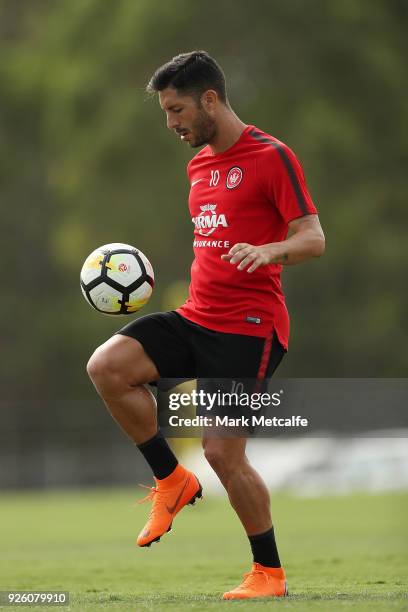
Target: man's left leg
[{"x": 249, "y": 497}]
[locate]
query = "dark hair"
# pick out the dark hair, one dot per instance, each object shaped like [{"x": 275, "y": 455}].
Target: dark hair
[{"x": 191, "y": 74}]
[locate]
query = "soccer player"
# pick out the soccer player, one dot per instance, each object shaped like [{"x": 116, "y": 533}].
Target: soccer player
[{"x": 247, "y": 193}]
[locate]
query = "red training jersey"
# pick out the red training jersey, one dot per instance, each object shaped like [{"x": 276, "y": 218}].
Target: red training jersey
[{"x": 249, "y": 193}]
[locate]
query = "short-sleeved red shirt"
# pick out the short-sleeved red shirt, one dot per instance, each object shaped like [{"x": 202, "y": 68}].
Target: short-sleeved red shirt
[{"x": 248, "y": 193}]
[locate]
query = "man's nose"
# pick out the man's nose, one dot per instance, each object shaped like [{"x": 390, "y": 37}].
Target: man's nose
[{"x": 172, "y": 122}]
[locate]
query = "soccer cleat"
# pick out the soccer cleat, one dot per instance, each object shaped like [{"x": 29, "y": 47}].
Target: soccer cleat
[
  {"x": 169, "y": 496},
  {"x": 260, "y": 582}
]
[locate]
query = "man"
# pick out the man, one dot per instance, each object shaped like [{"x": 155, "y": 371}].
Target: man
[{"x": 247, "y": 192}]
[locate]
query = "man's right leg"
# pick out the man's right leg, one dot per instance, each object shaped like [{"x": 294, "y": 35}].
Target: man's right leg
[{"x": 119, "y": 369}]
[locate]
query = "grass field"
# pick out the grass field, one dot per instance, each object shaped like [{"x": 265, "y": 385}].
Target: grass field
[{"x": 340, "y": 553}]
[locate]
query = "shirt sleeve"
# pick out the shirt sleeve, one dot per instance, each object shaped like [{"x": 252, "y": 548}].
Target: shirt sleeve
[{"x": 284, "y": 182}]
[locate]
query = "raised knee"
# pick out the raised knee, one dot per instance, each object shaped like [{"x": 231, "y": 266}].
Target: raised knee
[
  {"x": 96, "y": 365},
  {"x": 102, "y": 369}
]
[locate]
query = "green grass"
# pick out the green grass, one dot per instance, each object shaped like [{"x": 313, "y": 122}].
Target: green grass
[{"x": 340, "y": 553}]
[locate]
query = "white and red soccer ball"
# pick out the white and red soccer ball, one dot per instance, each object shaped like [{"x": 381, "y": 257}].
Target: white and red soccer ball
[{"x": 117, "y": 279}]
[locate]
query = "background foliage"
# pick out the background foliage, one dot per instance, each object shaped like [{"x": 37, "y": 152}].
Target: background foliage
[{"x": 85, "y": 159}]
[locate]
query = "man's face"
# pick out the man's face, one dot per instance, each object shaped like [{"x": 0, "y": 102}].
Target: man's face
[{"x": 187, "y": 117}]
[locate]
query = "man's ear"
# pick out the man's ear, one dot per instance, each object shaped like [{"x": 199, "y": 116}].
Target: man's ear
[{"x": 209, "y": 100}]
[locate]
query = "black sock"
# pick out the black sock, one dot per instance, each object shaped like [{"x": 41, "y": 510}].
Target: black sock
[
  {"x": 264, "y": 549},
  {"x": 159, "y": 456}
]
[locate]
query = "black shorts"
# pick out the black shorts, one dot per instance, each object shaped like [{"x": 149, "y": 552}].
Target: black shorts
[
  {"x": 181, "y": 349},
  {"x": 222, "y": 363}
]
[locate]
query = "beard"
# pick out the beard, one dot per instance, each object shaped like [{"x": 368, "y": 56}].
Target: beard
[{"x": 203, "y": 129}]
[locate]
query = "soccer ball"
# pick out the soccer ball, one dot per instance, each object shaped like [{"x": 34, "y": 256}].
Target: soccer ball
[{"x": 117, "y": 279}]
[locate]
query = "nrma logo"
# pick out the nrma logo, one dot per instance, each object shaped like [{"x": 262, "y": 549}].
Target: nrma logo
[{"x": 208, "y": 220}]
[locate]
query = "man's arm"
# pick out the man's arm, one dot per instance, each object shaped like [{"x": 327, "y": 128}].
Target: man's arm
[{"x": 306, "y": 241}]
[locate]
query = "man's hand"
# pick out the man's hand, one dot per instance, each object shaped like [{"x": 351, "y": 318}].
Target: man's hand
[
  {"x": 306, "y": 241},
  {"x": 245, "y": 255}
]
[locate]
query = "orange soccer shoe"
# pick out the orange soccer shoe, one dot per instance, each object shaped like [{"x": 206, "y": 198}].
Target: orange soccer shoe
[
  {"x": 260, "y": 582},
  {"x": 169, "y": 496}
]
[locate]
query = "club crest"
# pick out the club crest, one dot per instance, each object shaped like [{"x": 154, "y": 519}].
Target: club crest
[{"x": 234, "y": 177}]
